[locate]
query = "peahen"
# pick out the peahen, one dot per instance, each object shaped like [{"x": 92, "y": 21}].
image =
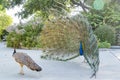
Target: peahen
[{"x": 24, "y": 59}]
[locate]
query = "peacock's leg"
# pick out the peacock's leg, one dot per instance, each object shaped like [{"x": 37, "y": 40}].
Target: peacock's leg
[
  {"x": 84, "y": 61},
  {"x": 21, "y": 70}
]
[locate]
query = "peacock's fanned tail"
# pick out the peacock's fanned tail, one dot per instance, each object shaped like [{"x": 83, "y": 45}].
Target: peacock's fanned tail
[
  {"x": 61, "y": 41},
  {"x": 89, "y": 40}
]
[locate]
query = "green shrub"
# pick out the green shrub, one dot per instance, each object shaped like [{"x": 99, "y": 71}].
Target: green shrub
[
  {"x": 104, "y": 44},
  {"x": 118, "y": 27},
  {"x": 105, "y": 33},
  {"x": 13, "y": 40},
  {"x": 27, "y": 38},
  {"x": 117, "y": 31}
]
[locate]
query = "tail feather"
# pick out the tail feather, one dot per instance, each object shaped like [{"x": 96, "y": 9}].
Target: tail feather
[{"x": 35, "y": 67}]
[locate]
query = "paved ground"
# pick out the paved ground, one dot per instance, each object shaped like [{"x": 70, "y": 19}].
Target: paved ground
[{"x": 56, "y": 70}]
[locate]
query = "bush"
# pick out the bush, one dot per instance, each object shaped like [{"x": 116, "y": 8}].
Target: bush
[
  {"x": 13, "y": 40},
  {"x": 117, "y": 30},
  {"x": 3, "y": 35},
  {"x": 105, "y": 33},
  {"x": 104, "y": 44},
  {"x": 25, "y": 37}
]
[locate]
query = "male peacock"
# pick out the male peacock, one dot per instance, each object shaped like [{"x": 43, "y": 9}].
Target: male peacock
[
  {"x": 24, "y": 59},
  {"x": 68, "y": 38}
]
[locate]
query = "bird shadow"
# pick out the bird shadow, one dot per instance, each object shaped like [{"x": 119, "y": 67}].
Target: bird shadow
[{"x": 28, "y": 76}]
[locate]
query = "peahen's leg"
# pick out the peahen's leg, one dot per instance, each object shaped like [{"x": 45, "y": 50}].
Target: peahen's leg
[{"x": 21, "y": 70}]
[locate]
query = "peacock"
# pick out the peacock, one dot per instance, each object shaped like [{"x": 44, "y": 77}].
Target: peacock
[
  {"x": 67, "y": 38},
  {"x": 24, "y": 59}
]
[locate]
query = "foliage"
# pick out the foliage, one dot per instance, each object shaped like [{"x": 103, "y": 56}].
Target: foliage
[
  {"x": 109, "y": 15},
  {"x": 91, "y": 2},
  {"x": 4, "y": 35},
  {"x": 5, "y": 20},
  {"x": 3, "y": 3},
  {"x": 98, "y": 4},
  {"x": 104, "y": 44},
  {"x": 47, "y": 7},
  {"x": 117, "y": 31},
  {"x": 105, "y": 33},
  {"x": 44, "y": 7},
  {"x": 95, "y": 19},
  {"x": 13, "y": 40},
  {"x": 117, "y": 27},
  {"x": 26, "y": 36}
]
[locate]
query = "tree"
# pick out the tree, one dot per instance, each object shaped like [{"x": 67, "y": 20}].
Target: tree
[
  {"x": 109, "y": 15},
  {"x": 44, "y": 7},
  {"x": 5, "y": 20},
  {"x": 48, "y": 7}
]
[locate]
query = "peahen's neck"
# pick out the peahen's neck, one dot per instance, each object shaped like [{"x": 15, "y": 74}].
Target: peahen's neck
[{"x": 14, "y": 51}]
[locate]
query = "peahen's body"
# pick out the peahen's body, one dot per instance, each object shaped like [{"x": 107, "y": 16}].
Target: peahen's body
[{"x": 24, "y": 59}]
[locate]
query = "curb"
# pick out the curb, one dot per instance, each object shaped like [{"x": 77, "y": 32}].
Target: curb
[{"x": 115, "y": 47}]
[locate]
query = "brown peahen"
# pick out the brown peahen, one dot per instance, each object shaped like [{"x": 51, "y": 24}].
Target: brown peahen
[{"x": 24, "y": 59}]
